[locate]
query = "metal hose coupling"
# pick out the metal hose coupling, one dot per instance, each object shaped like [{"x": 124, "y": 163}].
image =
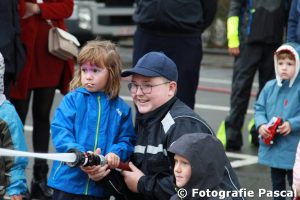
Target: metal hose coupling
[
  {"x": 89, "y": 159},
  {"x": 86, "y": 159}
]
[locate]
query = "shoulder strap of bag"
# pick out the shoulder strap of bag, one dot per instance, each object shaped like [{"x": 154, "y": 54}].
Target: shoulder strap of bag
[{"x": 50, "y": 22}]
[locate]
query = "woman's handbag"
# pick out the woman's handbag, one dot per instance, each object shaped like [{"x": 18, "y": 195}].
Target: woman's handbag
[{"x": 61, "y": 43}]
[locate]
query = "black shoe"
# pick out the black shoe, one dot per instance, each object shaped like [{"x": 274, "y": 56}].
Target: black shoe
[{"x": 40, "y": 190}]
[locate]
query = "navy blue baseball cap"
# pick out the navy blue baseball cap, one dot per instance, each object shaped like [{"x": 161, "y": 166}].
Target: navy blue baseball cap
[{"x": 154, "y": 64}]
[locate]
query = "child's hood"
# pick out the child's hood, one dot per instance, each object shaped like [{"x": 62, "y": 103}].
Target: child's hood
[
  {"x": 2, "y": 69},
  {"x": 207, "y": 158},
  {"x": 294, "y": 48}
]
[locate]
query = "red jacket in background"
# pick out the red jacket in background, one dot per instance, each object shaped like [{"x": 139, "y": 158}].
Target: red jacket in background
[{"x": 42, "y": 69}]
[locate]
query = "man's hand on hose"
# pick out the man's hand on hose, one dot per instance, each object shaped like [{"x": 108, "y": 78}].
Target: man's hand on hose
[{"x": 132, "y": 177}]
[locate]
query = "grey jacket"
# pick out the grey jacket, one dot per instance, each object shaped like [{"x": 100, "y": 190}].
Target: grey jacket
[{"x": 208, "y": 161}]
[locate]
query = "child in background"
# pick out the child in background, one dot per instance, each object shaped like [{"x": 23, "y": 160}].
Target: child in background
[
  {"x": 92, "y": 116},
  {"x": 12, "y": 169},
  {"x": 280, "y": 98},
  {"x": 198, "y": 162}
]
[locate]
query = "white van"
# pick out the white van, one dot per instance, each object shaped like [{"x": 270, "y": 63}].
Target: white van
[{"x": 104, "y": 18}]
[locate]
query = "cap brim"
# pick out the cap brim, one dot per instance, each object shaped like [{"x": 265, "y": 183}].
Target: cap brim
[{"x": 141, "y": 71}]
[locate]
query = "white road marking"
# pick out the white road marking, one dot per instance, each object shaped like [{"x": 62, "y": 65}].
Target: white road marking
[
  {"x": 220, "y": 81},
  {"x": 201, "y": 106},
  {"x": 242, "y": 159},
  {"x": 28, "y": 128}
]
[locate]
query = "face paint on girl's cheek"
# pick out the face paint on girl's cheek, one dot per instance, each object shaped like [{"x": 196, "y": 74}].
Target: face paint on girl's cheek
[{"x": 89, "y": 68}]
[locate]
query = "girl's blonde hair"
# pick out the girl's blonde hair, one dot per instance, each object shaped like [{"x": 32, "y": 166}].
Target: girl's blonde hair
[{"x": 102, "y": 54}]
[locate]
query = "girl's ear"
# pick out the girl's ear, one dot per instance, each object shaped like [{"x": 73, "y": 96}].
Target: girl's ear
[{"x": 172, "y": 88}]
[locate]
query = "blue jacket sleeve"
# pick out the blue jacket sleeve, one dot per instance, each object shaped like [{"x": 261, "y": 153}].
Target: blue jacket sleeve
[
  {"x": 260, "y": 115},
  {"x": 292, "y": 22},
  {"x": 17, "y": 172},
  {"x": 295, "y": 123},
  {"x": 295, "y": 119},
  {"x": 126, "y": 138},
  {"x": 62, "y": 126}
]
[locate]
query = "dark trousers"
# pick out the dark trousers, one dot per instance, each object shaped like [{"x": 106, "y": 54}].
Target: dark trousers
[
  {"x": 278, "y": 177},
  {"x": 41, "y": 107},
  {"x": 253, "y": 57},
  {"x": 60, "y": 195},
  {"x": 185, "y": 51},
  {"x": 8, "y": 79}
]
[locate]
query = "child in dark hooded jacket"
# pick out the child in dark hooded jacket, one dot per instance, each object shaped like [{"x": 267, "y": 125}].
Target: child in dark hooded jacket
[{"x": 198, "y": 162}]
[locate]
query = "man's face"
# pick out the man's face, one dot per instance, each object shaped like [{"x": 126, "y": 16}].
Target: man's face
[
  {"x": 155, "y": 92},
  {"x": 286, "y": 68}
]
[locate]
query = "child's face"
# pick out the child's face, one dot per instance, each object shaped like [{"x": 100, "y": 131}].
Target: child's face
[
  {"x": 286, "y": 68},
  {"x": 182, "y": 170},
  {"x": 93, "y": 78},
  {"x": 155, "y": 92}
]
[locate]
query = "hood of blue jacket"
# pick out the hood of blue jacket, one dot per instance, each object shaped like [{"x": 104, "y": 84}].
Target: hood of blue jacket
[{"x": 294, "y": 48}]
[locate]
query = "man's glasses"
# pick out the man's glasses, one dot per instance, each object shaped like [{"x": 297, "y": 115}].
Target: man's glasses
[{"x": 146, "y": 89}]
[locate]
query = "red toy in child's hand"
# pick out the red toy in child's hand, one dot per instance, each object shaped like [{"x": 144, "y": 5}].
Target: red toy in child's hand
[{"x": 273, "y": 128}]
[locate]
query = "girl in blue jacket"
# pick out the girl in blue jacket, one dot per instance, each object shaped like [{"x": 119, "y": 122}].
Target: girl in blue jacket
[
  {"x": 92, "y": 116},
  {"x": 281, "y": 98}
]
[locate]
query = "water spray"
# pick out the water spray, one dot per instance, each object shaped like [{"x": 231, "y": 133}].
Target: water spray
[{"x": 73, "y": 158}]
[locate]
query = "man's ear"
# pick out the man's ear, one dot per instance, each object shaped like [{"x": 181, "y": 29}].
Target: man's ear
[{"x": 172, "y": 88}]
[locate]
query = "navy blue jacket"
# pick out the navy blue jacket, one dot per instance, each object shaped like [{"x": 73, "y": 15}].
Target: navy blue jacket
[
  {"x": 294, "y": 22},
  {"x": 10, "y": 41},
  {"x": 189, "y": 17}
]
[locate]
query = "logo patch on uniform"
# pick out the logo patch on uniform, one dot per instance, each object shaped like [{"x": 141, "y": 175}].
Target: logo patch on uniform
[
  {"x": 285, "y": 102},
  {"x": 119, "y": 112}
]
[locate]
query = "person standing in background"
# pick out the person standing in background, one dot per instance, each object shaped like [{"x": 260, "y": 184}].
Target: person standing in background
[
  {"x": 254, "y": 30},
  {"x": 41, "y": 75},
  {"x": 174, "y": 28},
  {"x": 293, "y": 32},
  {"x": 11, "y": 46}
]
